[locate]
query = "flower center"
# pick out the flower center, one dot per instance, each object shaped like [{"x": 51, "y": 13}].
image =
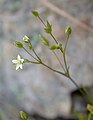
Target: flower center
[{"x": 19, "y": 62}]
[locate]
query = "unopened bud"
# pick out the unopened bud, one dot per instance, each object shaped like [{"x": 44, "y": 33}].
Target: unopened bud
[
  {"x": 53, "y": 47},
  {"x": 35, "y": 13},
  {"x": 59, "y": 46},
  {"x": 18, "y": 44},
  {"x": 44, "y": 40},
  {"x": 68, "y": 30},
  {"x": 26, "y": 39},
  {"x": 23, "y": 115},
  {"x": 48, "y": 28}
]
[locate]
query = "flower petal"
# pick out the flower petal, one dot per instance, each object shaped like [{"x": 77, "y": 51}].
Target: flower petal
[
  {"x": 18, "y": 57},
  {"x": 14, "y": 61},
  {"x": 17, "y": 66},
  {"x": 20, "y": 66}
]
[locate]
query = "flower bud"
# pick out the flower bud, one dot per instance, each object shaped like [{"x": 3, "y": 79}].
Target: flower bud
[
  {"x": 68, "y": 30},
  {"x": 26, "y": 39},
  {"x": 44, "y": 40},
  {"x": 35, "y": 13},
  {"x": 53, "y": 47},
  {"x": 48, "y": 28},
  {"x": 18, "y": 44},
  {"x": 30, "y": 46},
  {"x": 59, "y": 46},
  {"x": 23, "y": 115}
]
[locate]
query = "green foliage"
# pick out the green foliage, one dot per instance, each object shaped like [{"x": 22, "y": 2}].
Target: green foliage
[
  {"x": 23, "y": 115},
  {"x": 81, "y": 116}
]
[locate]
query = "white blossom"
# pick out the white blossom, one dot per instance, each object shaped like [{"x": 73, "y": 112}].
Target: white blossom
[{"x": 18, "y": 62}]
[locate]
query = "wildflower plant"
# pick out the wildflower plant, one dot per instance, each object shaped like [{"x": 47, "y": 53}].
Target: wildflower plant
[{"x": 53, "y": 47}]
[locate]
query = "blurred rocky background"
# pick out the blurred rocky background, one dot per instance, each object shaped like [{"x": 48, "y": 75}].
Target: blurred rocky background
[{"x": 36, "y": 89}]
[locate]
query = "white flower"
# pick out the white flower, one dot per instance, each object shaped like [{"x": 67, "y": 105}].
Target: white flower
[{"x": 18, "y": 62}]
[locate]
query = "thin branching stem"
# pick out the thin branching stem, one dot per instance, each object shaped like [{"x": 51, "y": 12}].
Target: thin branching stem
[
  {"x": 63, "y": 51},
  {"x": 88, "y": 96},
  {"x": 66, "y": 43},
  {"x": 51, "y": 32},
  {"x": 67, "y": 76},
  {"x": 53, "y": 69},
  {"x": 41, "y": 20},
  {"x": 35, "y": 53},
  {"x": 59, "y": 61},
  {"x": 65, "y": 62},
  {"x": 54, "y": 38},
  {"x": 83, "y": 91},
  {"x": 33, "y": 62},
  {"x": 30, "y": 53}
]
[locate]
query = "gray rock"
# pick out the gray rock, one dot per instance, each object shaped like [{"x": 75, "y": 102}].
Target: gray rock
[{"x": 36, "y": 88}]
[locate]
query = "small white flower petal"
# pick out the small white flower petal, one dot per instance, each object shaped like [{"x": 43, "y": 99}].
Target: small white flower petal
[
  {"x": 20, "y": 66},
  {"x": 17, "y": 66},
  {"x": 18, "y": 57},
  {"x": 14, "y": 61}
]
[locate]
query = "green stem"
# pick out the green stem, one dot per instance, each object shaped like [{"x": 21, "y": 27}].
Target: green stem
[
  {"x": 53, "y": 69},
  {"x": 35, "y": 53},
  {"x": 64, "y": 54},
  {"x": 57, "y": 43},
  {"x": 41, "y": 20},
  {"x": 78, "y": 87},
  {"x": 90, "y": 116},
  {"x": 66, "y": 43},
  {"x": 59, "y": 61},
  {"x": 64, "y": 57},
  {"x": 89, "y": 98},
  {"x": 74, "y": 82},
  {"x": 83, "y": 91},
  {"x": 67, "y": 76},
  {"x": 30, "y": 54},
  {"x": 33, "y": 62},
  {"x": 54, "y": 38}
]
